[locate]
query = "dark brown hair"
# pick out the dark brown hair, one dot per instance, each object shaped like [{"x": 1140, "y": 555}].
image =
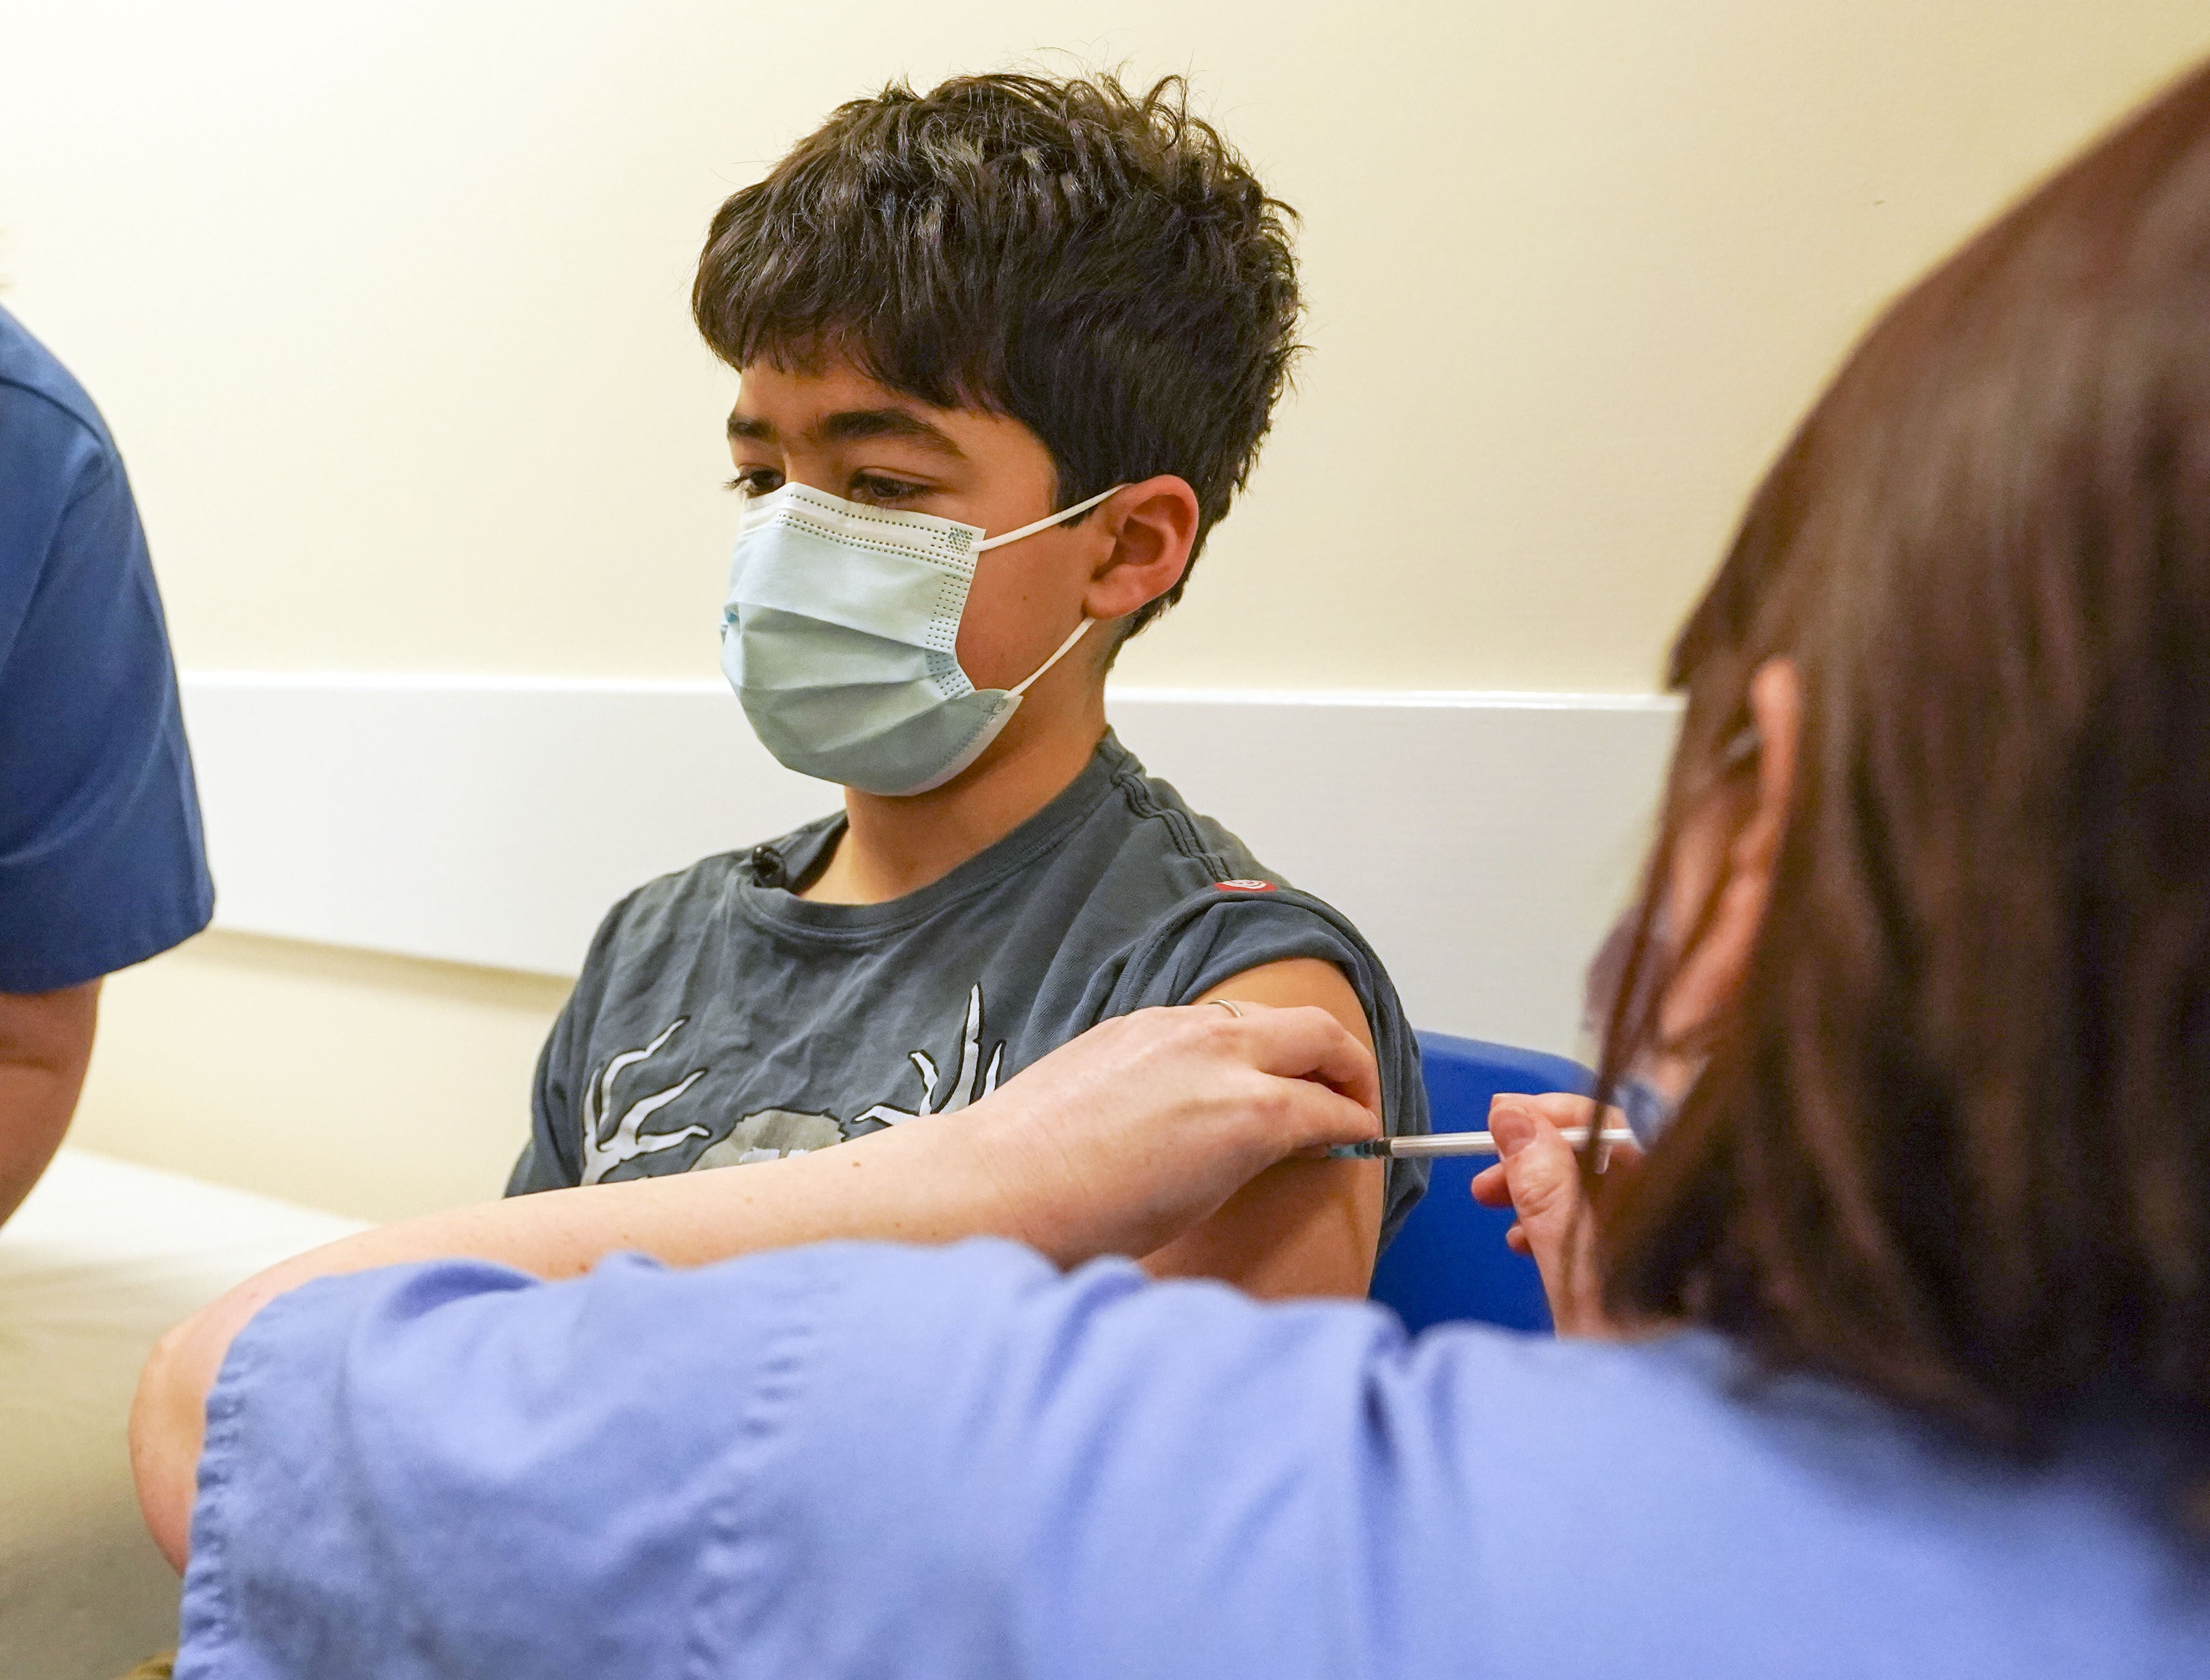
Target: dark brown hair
[
  {"x": 1096, "y": 263},
  {"x": 1953, "y": 1141}
]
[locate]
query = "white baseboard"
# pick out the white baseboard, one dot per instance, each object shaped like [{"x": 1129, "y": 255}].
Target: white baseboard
[{"x": 1482, "y": 841}]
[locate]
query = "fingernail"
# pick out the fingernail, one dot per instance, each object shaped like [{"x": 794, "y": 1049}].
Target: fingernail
[{"x": 1513, "y": 1129}]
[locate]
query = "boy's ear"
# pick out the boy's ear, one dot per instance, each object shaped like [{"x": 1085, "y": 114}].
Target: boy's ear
[{"x": 1151, "y": 525}]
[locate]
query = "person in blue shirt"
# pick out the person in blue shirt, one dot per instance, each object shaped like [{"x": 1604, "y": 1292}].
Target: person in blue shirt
[
  {"x": 1898, "y": 1359},
  {"x": 102, "y": 864}
]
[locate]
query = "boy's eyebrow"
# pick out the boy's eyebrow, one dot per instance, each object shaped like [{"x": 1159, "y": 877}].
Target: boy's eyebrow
[
  {"x": 853, "y": 424},
  {"x": 849, "y": 426}
]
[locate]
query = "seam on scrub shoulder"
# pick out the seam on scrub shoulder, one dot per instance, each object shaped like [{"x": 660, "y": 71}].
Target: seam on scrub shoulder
[
  {"x": 96, "y": 431},
  {"x": 762, "y": 1423},
  {"x": 100, "y": 474}
]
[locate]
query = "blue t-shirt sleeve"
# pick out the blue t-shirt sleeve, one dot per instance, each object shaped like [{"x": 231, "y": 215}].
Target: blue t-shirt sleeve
[
  {"x": 102, "y": 863},
  {"x": 846, "y": 1460}
]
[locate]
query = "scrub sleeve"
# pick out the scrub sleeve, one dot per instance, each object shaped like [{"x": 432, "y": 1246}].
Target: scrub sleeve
[{"x": 102, "y": 860}]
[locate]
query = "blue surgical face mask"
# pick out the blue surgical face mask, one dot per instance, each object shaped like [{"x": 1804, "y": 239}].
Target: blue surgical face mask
[
  {"x": 1649, "y": 1103},
  {"x": 841, "y": 636}
]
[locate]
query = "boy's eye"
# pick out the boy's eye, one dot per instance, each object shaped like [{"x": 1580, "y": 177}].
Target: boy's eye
[
  {"x": 876, "y": 487},
  {"x": 755, "y": 482}
]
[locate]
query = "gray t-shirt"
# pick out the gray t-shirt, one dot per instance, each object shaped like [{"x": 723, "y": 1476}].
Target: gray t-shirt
[{"x": 721, "y": 1019}]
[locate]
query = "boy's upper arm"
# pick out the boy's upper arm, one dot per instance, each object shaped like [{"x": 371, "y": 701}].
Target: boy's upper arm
[
  {"x": 1304, "y": 1227},
  {"x": 1294, "y": 982}
]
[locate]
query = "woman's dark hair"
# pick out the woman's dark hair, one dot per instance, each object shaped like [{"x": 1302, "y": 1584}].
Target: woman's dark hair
[
  {"x": 1098, "y": 264},
  {"x": 1953, "y": 1139}
]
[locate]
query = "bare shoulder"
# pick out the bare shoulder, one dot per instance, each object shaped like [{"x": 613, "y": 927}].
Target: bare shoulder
[{"x": 1294, "y": 982}]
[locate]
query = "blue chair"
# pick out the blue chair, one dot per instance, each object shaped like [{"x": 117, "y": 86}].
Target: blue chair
[{"x": 1449, "y": 1261}]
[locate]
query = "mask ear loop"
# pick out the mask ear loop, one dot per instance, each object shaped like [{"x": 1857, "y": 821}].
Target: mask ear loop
[
  {"x": 1065, "y": 649},
  {"x": 1046, "y": 523}
]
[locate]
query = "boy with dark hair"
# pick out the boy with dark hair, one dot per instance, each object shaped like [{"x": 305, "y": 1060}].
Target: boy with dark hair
[{"x": 1007, "y": 350}]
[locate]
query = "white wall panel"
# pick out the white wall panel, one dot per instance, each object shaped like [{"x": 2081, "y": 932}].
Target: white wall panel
[{"x": 1482, "y": 841}]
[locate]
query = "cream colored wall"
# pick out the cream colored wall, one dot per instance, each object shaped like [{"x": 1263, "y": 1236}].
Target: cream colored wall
[
  {"x": 386, "y": 303},
  {"x": 372, "y": 1085}
]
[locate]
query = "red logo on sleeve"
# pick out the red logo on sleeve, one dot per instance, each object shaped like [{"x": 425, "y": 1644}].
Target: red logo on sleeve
[{"x": 1246, "y": 886}]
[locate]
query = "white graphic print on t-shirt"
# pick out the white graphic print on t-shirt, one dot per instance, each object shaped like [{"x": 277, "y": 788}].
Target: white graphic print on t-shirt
[{"x": 769, "y": 1134}]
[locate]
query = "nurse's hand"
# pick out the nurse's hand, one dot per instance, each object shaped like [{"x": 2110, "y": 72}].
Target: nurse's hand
[
  {"x": 1537, "y": 1175},
  {"x": 1133, "y": 1132}
]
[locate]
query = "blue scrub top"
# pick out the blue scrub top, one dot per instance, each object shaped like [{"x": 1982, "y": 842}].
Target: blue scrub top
[
  {"x": 102, "y": 863},
  {"x": 955, "y": 1464}
]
